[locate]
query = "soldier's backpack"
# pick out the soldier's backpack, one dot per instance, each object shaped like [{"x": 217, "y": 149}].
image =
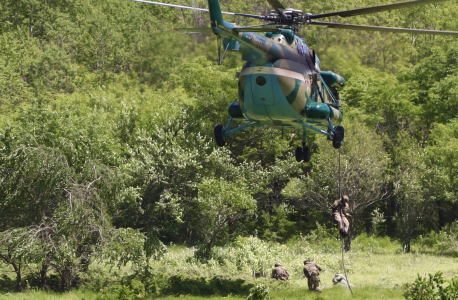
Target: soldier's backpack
[{"x": 310, "y": 271}]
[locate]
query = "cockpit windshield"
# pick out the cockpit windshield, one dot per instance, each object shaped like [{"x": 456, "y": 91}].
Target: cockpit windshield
[{"x": 301, "y": 46}]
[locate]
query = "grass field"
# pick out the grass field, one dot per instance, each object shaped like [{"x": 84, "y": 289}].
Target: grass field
[{"x": 377, "y": 268}]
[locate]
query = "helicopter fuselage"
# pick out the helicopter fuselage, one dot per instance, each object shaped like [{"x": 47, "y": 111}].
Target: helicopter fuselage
[{"x": 280, "y": 85}]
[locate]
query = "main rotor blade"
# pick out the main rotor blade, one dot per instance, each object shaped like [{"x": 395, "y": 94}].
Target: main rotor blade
[
  {"x": 239, "y": 29},
  {"x": 199, "y": 9},
  {"x": 259, "y": 25},
  {"x": 374, "y": 9},
  {"x": 379, "y": 28},
  {"x": 250, "y": 29},
  {"x": 193, "y": 30},
  {"x": 279, "y": 8},
  {"x": 171, "y": 5}
]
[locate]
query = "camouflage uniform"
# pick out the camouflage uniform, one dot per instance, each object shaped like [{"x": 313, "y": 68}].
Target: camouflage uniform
[
  {"x": 312, "y": 272},
  {"x": 279, "y": 272},
  {"x": 341, "y": 213}
]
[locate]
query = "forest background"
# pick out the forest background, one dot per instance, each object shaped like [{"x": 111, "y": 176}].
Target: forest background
[{"x": 106, "y": 149}]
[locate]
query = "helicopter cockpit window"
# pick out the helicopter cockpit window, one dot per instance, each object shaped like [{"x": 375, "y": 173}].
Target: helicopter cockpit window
[{"x": 301, "y": 46}]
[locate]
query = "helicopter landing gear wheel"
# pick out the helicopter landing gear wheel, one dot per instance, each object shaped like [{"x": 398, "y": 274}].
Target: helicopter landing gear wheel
[
  {"x": 303, "y": 154},
  {"x": 338, "y": 137},
  {"x": 306, "y": 154},
  {"x": 298, "y": 154},
  {"x": 220, "y": 135}
]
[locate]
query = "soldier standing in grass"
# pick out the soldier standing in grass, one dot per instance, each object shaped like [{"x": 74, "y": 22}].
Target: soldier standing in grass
[
  {"x": 280, "y": 273},
  {"x": 341, "y": 214},
  {"x": 312, "y": 272}
]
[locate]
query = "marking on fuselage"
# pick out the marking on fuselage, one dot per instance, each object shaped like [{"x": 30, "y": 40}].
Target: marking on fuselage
[
  {"x": 292, "y": 96},
  {"x": 272, "y": 71}
]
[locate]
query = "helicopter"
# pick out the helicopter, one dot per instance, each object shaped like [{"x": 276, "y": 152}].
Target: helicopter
[{"x": 281, "y": 85}]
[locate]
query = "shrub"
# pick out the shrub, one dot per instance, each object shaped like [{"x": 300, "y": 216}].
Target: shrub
[
  {"x": 132, "y": 290},
  {"x": 259, "y": 292},
  {"x": 251, "y": 254},
  {"x": 433, "y": 288},
  {"x": 443, "y": 241}
]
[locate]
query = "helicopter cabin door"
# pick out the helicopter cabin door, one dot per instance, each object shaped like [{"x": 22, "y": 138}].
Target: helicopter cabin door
[{"x": 261, "y": 87}]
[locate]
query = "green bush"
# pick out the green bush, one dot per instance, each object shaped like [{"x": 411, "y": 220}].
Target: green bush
[
  {"x": 147, "y": 281},
  {"x": 132, "y": 290},
  {"x": 259, "y": 292},
  {"x": 444, "y": 241},
  {"x": 98, "y": 278},
  {"x": 154, "y": 282},
  {"x": 251, "y": 255},
  {"x": 433, "y": 288}
]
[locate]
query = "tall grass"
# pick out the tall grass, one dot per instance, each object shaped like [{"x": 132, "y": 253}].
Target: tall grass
[{"x": 377, "y": 267}]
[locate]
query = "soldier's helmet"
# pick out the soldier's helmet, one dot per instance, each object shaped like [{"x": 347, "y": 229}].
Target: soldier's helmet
[
  {"x": 278, "y": 265},
  {"x": 345, "y": 197},
  {"x": 306, "y": 261}
]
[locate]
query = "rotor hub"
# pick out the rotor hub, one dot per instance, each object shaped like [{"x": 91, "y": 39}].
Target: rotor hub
[{"x": 291, "y": 16}]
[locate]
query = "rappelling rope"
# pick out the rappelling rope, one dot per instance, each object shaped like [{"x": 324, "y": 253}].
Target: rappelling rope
[
  {"x": 342, "y": 238},
  {"x": 340, "y": 185},
  {"x": 343, "y": 266}
]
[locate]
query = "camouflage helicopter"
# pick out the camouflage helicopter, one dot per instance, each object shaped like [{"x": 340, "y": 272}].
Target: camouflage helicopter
[{"x": 281, "y": 84}]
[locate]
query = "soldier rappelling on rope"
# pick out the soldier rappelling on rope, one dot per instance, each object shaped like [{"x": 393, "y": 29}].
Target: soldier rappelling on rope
[{"x": 341, "y": 214}]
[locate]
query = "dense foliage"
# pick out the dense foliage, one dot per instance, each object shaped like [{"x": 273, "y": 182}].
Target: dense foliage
[
  {"x": 434, "y": 287},
  {"x": 106, "y": 150}
]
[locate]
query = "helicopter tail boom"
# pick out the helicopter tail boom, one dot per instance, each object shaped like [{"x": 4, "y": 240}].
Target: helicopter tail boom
[{"x": 216, "y": 16}]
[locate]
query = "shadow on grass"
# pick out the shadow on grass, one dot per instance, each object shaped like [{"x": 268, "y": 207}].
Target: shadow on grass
[
  {"x": 183, "y": 285},
  {"x": 7, "y": 284},
  {"x": 31, "y": 281}
]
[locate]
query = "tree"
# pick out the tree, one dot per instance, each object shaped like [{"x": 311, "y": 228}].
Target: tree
[
  {"x": 32, "y": 185},
  {"x": 19, "y": 247},
  {"x": 409, "y": 193},
  {"x": 220, "y": 205},
  {"x": 440, "y": 183}
]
